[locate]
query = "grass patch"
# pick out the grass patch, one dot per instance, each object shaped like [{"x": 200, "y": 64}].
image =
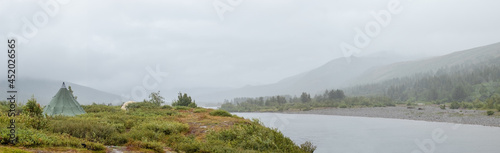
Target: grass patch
[
  {"x": 199, "y": 110},
  {"x": 182, "y": 108},
  {"x": 12, "y": 150},
  {"x": 220, "y": 113}
]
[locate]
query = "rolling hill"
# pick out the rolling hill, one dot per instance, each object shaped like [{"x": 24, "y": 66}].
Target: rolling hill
[
  {"x": 470, "y": 56},
  {"x": 332, "y": 75}
]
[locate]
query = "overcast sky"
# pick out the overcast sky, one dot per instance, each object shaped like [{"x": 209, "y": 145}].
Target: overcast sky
[{"x": 107, "y": 44}]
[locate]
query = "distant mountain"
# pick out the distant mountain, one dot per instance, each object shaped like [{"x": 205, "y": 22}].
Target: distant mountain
[
  {"x": 374, "y": 68},
  {"x": 332, "y": 75},
  {"x": 408, "y": 68},
  {"x": 44, "y": 90}
]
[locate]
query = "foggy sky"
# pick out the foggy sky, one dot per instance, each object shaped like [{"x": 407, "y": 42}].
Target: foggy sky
[{"x": 108, "y": 44}]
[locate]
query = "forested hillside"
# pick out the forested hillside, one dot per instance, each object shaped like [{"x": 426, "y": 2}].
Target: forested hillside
[{"x": 466, "y": 82}]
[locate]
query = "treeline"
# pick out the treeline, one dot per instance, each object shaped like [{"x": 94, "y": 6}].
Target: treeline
[
  {"x": 469, "y": 83},
  {"x": 330, "y": 98}
]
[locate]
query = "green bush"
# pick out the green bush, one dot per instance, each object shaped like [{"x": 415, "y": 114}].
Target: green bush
[
  {"x": 193, "y": 105},
  {"x": 189, "y": 146},
  {"x": 455, "y": 105},
  {"x": 141, "y": 105},
  {"x": 151, "y": 113},
  {"x": 88, "y": 129},
  {"x": 36, "y": 138},
  {"x": 308, "y": 147},
  {"x": 467, "y": 105},
  {"x": 94, "y": 108},
  {"x": 32, "y": 108},
  {"x": 166, "y": 107},
  {"x": 252, "y": 136},
  {"x": 184, "y": 100},
  {"x": 220, "y": 113},
  {"x": 442, "y": 106},
  {"x": 489, "y": 113},
  {"x": 165, "y": 127},
  {"x": 156, "y": 130},
  {"x": 200, "y": 110},
  {"x": 343, "y": 106},
  {"x": 155, "y": 146},
  {"x": 94, "y": 146}
]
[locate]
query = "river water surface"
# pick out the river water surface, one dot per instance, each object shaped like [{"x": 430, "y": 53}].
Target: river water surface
[{"x": 342, "y": 134}]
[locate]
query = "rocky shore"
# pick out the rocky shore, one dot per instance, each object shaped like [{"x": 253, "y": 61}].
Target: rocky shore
[{"x": 423, "y": 113}]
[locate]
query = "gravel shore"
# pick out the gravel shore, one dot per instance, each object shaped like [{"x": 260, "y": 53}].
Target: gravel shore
[{"x": 423, "y": 113}]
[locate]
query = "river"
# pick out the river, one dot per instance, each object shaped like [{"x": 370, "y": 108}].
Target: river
[{"x": 343, "y": 134}]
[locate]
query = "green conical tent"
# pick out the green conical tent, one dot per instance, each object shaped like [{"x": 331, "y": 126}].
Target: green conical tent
[{"x": 63, "y": 103}]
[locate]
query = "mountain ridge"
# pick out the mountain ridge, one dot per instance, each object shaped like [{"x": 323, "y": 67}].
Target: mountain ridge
[{"x": 407, "y": 68}]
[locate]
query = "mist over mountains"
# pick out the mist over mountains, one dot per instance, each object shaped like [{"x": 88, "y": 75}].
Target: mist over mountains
[
  {"x": 336, "y": 74},
  {"x": 407, "y": 68},
  {"x": 339, "y": 74}
]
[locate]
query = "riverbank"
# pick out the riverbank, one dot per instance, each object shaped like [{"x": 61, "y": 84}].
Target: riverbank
[{"x": 425, "y": 113}]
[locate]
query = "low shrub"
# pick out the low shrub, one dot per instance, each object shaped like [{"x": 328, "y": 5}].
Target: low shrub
[
  {"x": 166, "y": 107},
  {"x": 182, "y": 108},
  {"x": 489, "y": 113},
  {"x": 148, "y": 113},
  {"x": 454, "y": 105},
  {"x": 12, "y": 150},
  {"x": 155, "y": 146},
  {"x": 342, "y": 106},
  {"x": 308, "y": 147},
  {"x": 193, "y": 105},
  {"x": 142, "y": 105},
  {"x": 100, "y": 108},
  {"x": 442, "y": 106},
  {"x": 94, "y": 146},
  {"x": 156, "y": 130},
  {"x": 188, "y": 146},
  {"x": 36, "y": 138},
  {"x": 252, "y": 136},
  {"x": 220, "y": 113},
  {"x": 466, "y": 105},
  {"x": 199, "y": 110},
  {"x": 83, "y": 128}
]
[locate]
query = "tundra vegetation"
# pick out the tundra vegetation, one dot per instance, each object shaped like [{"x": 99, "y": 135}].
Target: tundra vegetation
[{"x": 144, "y": 127}]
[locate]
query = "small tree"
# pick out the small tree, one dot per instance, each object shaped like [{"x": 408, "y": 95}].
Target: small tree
[
  {"x": 184, "y": 100},
  {"x": 156, "y": 99},
  {"x": 33, "y": 108},
  {"x": 308, "y": 147},
  {"x": 305, "y": 97}
]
